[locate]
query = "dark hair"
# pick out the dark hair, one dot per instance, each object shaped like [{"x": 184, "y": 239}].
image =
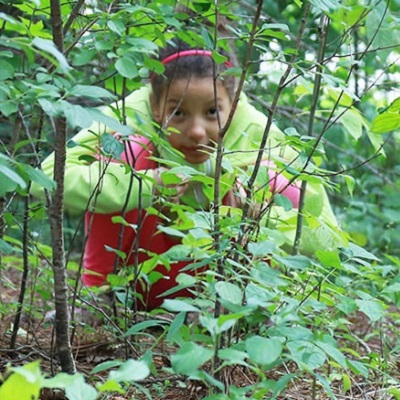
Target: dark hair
[{"x": 196, "y": 66}]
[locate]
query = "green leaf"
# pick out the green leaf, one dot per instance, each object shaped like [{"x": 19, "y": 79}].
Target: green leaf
[
  {"x": 119, "y": 253},
  {"x": 12, "y": 176},
  {"x": 326, "y": 384},
  {"x": 189, "y": 358},
  {"x": 359, "y": 252},
  {"x": 263, "y": 273},
  {"x": 328, "y": 258},
  {"x": 293, "y": 333},
  {"x": 174, "y": 328},
  {"x": 5, "y": 248},
  {"x": 373, "y": 309},
  {"x": 350, "y": 183},
  {"x": 279, "y": 386},
  {"x": 130, "y": 371},
  {"x": 49, "y": 47},
  {"x": 76, "y": 115},
  {"x": 127, "y": 67},
  {"x": 110, "y": 386},
  {"x": 282, "y": 27},
  {"x": 154, "y": 65},
  {"x": 352, "y": 122},
  {"x": 8, "y": 108},
  {"x": 141, "y": 326},
  {"x": 325, "y": 5},
  {"x": 294, "y": 262},
  {"x": 185, "y": 279},
  {"x": 6, "y": 71},
  {"x": 394, "y": 288},
  {"x": 388, "y": 34},
  {"x": 229, "y": 292},
  {"x": 346, "y": 383},
  {"x": 177, "y": 252},
  {"x": 282, "y": 201},
  {"x": 104, "y": 366},
  {"x": 23, "y": 383},
  {"x": 333, "y": 352},
  {"x": 51, "y": 108},
  {"x": 175, "y": 305},
  {"x": 112, "y": 123},
  {"x": 8, "y": 18},
  {"x": 218, "y": 325},
  {"x": 394, "y": 106},
  {"x": 118, "y": 219},
  {"x": 38, "y": 176},
  {"x": 218, "y": 58},
  {"x": 359, "y": 368},
  {"x": 80, "y": 390},
  {"x": 395, "y": 392},
  {"x": 262, "y": 249},
  {"x": 141, "y": 44},
  {"x": 385, "y": 122},
  {"x": 263, "y": 351},
  {"x": 233, "y": 356},
  {"x": 306, "y": 354},
  {"x": 84, "y": 57},
  {"x": 116, "y": 26},
  {"x": 257, "y": 295},
  {"x": 111, "y": 145},
  {"x": 92, "y": 92}
]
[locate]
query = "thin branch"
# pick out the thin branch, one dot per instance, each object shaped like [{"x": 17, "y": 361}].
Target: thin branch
[
  {"x": 323, "y": 33},
  {"x": 72, "y": 16},
  {"x": 274, "y": 106},
  {"x": 25, "y": 271},
  {"x": 219, "y": 152}
]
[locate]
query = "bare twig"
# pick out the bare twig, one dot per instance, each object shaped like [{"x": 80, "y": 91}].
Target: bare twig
[{"x": 323, "y": 32}]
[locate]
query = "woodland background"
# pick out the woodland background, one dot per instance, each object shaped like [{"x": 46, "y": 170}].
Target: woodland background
[{"x": 320, "y": 326}]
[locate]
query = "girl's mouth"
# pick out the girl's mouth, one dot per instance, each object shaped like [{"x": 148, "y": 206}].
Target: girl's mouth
[{"x": 193, "y": 150}]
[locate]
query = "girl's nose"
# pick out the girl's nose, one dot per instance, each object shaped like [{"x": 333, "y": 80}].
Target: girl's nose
[{"x": 196, "y": 130}]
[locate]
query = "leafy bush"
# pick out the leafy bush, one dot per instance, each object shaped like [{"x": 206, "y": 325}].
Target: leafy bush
[{"x": 280, "y": 318}]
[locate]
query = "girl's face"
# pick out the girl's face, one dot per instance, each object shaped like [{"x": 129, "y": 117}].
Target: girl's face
[{"x": 196, "y": 115}]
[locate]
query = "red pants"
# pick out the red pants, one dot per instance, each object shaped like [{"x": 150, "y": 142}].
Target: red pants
[{"x": 99, "y": 262}]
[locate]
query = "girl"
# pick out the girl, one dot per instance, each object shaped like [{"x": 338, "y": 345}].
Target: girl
[{"x": 191, "y": 100}]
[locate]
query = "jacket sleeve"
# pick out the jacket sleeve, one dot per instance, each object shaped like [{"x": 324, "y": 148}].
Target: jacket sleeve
[
  {"x": 96, "y": 184},
  {"x": 320, "y": 230}
]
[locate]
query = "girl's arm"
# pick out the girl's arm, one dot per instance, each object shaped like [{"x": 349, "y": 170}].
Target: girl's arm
[{"x": 97, "y": 183}]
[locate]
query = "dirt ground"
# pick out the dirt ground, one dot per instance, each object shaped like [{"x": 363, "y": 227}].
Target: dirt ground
[{"x": 94, "y": 345}]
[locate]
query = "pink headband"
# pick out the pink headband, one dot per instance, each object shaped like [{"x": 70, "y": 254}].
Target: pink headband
[
  {"x": 193, "y": 52},
  {"x": 186, "y": 53}
]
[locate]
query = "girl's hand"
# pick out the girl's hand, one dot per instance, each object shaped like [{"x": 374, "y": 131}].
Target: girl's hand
[
  {"x": 176, "y": 190},
  {"x": 237, "y": 198},
  {"x": 167, "y": 193}
]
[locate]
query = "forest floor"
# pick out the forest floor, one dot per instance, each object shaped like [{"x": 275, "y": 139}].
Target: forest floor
[{"x": 94, "y": 345}]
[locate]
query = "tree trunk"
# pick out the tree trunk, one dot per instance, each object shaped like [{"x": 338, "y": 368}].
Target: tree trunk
[
  {"x": 56, "y": 223},
  {"x": 59, "y": 266}
]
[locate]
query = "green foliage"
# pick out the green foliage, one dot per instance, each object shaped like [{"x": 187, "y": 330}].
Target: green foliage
[
  {"x": 276, "y": 311},
  {"x": 26, "y": 382}
]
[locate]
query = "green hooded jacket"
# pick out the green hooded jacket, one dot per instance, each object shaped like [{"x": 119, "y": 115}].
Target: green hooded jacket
[{"x": 102, "y": 187}]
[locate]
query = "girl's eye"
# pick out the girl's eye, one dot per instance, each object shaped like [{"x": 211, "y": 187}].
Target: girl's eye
[
  {"x": 213, "y": 111},
  {"x": 176, "y": 113}
]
